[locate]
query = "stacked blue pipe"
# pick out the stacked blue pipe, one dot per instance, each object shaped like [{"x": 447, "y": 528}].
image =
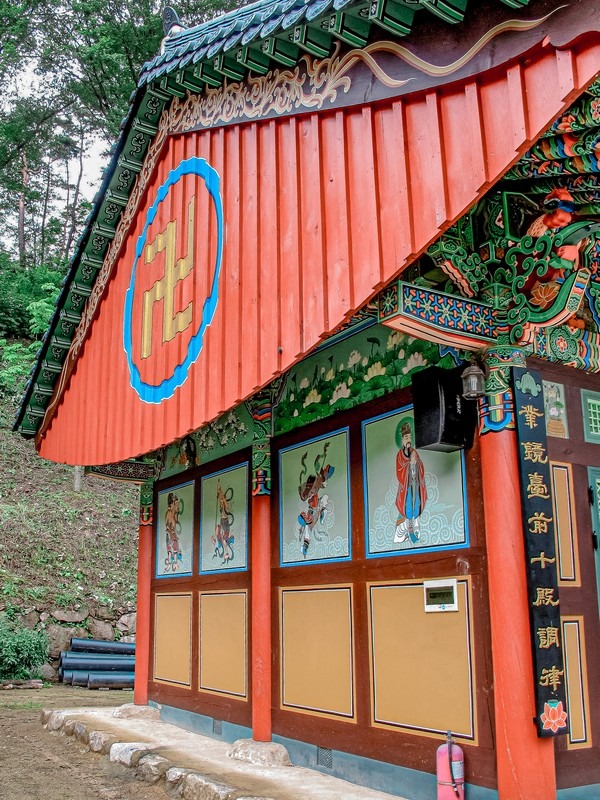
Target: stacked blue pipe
[{"x": 98, "y": 664}]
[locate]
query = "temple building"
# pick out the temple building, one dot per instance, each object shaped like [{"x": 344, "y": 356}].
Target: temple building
[{"x": 337, "y": 310}]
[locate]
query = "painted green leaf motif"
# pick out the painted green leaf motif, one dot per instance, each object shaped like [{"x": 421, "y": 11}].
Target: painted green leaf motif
[{"x": 528, "y": 385}]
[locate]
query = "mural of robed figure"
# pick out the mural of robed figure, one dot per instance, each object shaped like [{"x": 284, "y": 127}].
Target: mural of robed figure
[{"x": 412, "y": 492}]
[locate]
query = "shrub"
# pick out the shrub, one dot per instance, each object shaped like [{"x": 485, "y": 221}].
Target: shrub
[
  {"x": 16, "y": 358},
  {"x": 22, "y": 650}
]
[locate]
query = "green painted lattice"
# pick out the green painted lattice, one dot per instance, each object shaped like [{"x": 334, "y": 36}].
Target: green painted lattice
[{"x": 591, "y": 415}]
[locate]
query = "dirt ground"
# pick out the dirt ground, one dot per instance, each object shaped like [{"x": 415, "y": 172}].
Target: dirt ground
[{"x": 38, "y": 765}]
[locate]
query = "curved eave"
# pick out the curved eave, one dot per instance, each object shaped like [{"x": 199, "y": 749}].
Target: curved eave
[{"x": 251, "y": 40}]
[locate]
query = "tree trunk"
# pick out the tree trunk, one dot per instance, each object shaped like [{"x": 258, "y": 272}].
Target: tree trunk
[
  {"x": 63, "y": 243},
  {"x": 21, "y": 221},
  {"x": 45, "y": 214},
  {"x": 72, "y": 211}
]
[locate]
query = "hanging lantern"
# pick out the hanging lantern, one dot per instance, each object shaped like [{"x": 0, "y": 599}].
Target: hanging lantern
[{"x": 473, "y": 381}]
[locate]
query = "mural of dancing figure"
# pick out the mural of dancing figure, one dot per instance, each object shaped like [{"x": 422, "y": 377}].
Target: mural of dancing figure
[
  {"x": 223, "y": 539},
  {"x": 317, "y": 505},
  {"x": 412, "y": 492},
  {"x": 172, "y": 532}
]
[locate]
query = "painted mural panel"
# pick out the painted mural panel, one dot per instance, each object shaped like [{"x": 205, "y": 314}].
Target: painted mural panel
[
  {"x": 436, "y": 651},
  {"x": 173, "y": 638},
  {"x": 317, "y": 650},
  {"x": 314, "y": 491},
  {"x": 556, "y": 410},
  {"x": 174, "y": 531},
  {"x": 224, "y": 520},
  {"x": 358, "y": 368},
  {"x": 227, "y": 434},
  {"x": 223, "y": 658},
  {"x": 414, "y": 500}
]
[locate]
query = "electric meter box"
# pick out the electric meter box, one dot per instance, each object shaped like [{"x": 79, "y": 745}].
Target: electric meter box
[{"x": 440, "y": 595}]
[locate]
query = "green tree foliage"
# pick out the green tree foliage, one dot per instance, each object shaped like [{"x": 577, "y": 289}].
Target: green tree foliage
[
  {"x": 22, "y": 651},
  {"x": 16, "y": 358},
  {"x": 26, "y": 298},
  {"x": 68, "y": 68}
]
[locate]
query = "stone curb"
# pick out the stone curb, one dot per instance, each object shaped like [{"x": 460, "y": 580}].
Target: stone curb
[{"x": 150, "y": 766}]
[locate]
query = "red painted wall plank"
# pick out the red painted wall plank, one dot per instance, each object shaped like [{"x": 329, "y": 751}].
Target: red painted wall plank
[
  {"x": 335, "y": 209},
  {"x": 249, "y": 265},
  {"x": 269, "y": 289},
  {"x": 458, "y": 159},
  {"x": 393, "y": 178},
  {"x": 313, "y": 301},
  {"x": 232, "y": 306},
  {"x": 289, "y": 241},
  {"x": 217, "y": 354},
  {"x": 362, "y": 204}
]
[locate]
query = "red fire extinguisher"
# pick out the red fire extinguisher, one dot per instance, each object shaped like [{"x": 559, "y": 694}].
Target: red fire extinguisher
[{"x": 450, "y": 770}]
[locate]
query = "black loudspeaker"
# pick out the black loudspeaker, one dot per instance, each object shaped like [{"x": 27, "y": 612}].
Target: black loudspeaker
[{"x": 444, "y": 420}]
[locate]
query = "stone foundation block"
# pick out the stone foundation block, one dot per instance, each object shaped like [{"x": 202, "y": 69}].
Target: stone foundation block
[
  {"x": 264, "y": 754},
  {"x": 128, "y": 753},
  {"x": 80, "y": 732},
  {"x": 152, "y": 768},
  {"x": 131, "y": 711},
  {"x": 200, "y": 787},
  {"x": 56, "y": 720},
  {"x": 69, "y": 727},
  {"x": 45, "y": 715},
  {"x": 101, "y": 742},
  {"x": 174, "y": 780}
]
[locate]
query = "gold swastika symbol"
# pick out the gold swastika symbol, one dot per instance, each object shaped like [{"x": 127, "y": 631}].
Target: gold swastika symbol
[{"x": 164, "y": 288}]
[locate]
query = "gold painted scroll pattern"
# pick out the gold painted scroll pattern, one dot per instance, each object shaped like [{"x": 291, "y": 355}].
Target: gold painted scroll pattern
[
  {"x": 283, "y": 91},
  {"x": 280, "y": 91}
]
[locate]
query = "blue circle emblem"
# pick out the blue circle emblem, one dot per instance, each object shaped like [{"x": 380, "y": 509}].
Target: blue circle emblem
[{"x": 147, "y": 392}]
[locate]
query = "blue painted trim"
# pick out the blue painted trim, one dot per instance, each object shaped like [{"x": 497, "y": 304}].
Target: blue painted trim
[
  {"x": 412, "y": 550},
  {"x": 201, "y": 724},
  {"x": 590, "y": 792},
  {"x": 201, "y": 571},
  {"x": 179, "y": 574},
  {"x": 297, "y": 446},
  {"x": 407, "y": 783},
  {"x": 147, "y": 392},
  {"x": 410, "y": 784}
]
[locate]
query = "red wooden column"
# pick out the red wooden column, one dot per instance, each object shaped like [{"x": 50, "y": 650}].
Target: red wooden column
[
  {"x": 261, "y": 617},
  {"x": 525, "y": 763},
  {"x": 142, "y": 636}
]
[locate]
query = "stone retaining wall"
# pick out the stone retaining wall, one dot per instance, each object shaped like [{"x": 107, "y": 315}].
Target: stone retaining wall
[{"x": 91, "y": 621}]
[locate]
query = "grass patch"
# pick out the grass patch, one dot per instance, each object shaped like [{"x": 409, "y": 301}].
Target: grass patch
[{"x": 59, "y": 547}]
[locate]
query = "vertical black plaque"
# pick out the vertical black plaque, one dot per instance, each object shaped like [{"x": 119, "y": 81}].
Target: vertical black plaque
[{"x": 540, "y": 553}]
